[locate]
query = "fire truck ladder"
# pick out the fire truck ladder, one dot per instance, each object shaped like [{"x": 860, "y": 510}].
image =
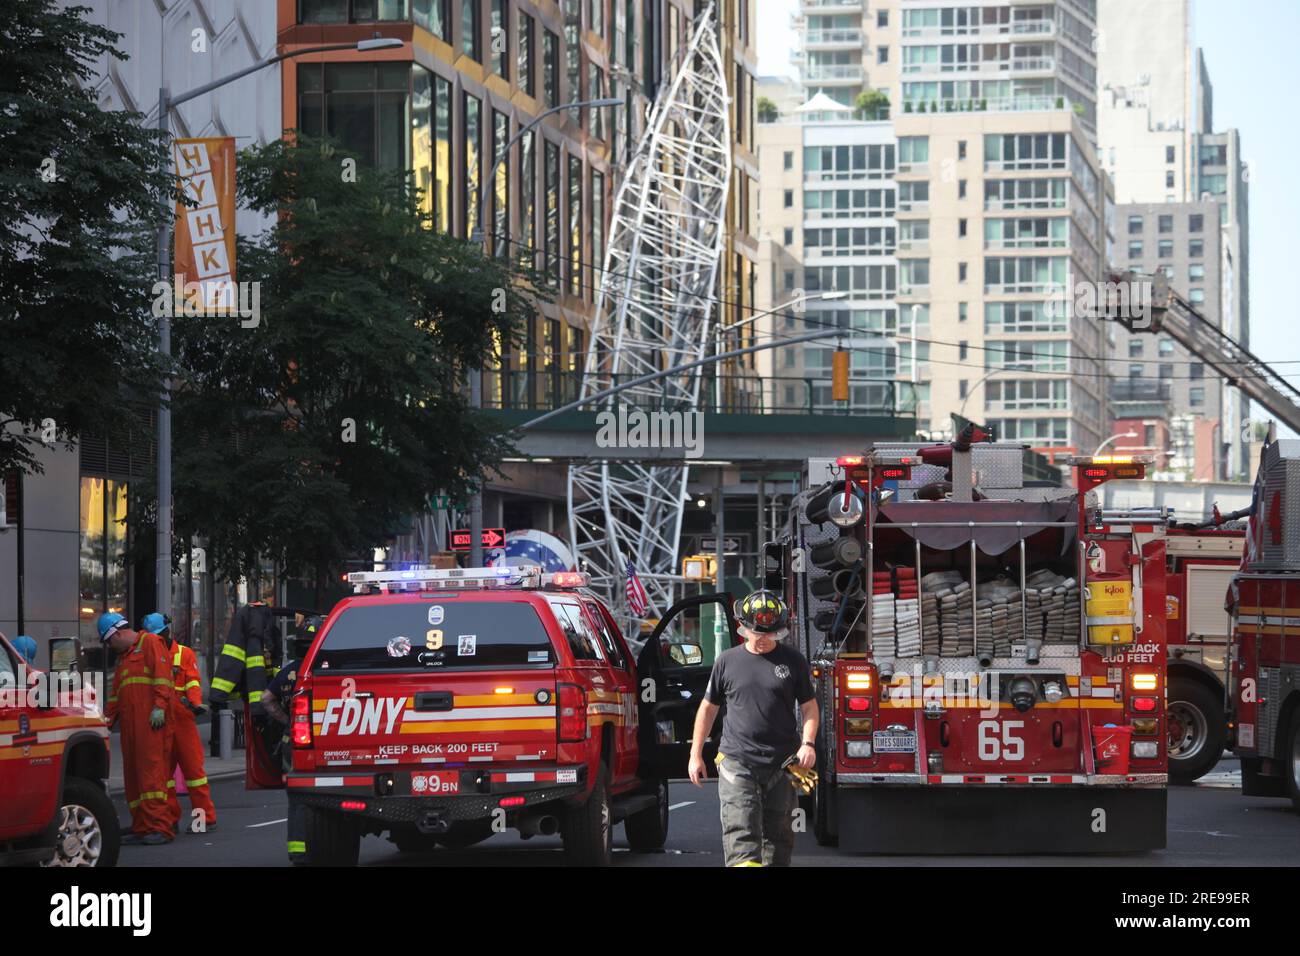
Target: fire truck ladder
[
  {"x": 1176, "y": 317},
  {"x": 653, "y": 313}
]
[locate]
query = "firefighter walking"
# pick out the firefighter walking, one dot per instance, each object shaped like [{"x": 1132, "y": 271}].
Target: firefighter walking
[
  {"x": 140, "y": 700},
  {"x": 275, "y": 700},
  {"x": 762, "y": 755},
  {"x": 187, "y": 704}
]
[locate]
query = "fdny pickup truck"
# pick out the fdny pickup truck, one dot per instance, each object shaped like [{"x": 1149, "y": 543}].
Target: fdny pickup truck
[
  {"x": 54, "y": 809},
  {"x": 441, "y": 706}
]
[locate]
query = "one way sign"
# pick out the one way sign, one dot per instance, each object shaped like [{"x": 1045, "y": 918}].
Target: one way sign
[{"x": 492, "y": 538}]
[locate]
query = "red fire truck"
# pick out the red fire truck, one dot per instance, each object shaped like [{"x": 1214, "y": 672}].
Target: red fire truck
[
  {"x": 1201, "y": 563},
  {"x": 1265, "y": 603},
  {"x": 990, "y": 658}
]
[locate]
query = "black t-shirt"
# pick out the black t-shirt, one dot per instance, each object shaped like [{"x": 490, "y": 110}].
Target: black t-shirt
[{"x": 760, "y": 691}]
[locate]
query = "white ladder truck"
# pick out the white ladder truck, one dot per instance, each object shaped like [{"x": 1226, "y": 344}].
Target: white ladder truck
[{"x": 1204, "y": 556}]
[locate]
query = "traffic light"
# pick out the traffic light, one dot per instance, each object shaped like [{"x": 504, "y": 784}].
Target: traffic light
[{"x": 840, "y": 376}]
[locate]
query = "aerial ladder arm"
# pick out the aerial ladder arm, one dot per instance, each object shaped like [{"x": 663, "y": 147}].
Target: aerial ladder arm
[{"x": 1170, "y": 313}]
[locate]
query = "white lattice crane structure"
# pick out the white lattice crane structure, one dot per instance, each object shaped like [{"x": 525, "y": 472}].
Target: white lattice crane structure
[{"x": 654, "y": 312}]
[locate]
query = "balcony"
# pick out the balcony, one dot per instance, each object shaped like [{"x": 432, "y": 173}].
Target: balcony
[
  {"x": 1140, "y": 390},
  {"x": 1033, "y": 64},
  {"x": 829, "y": 6},
  {"x": 833, "y": 73},
  {"x": 826, "y": 39}
]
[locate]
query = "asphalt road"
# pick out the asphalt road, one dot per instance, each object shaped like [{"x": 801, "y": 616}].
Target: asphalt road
[{"x": 1210, "y": 824}]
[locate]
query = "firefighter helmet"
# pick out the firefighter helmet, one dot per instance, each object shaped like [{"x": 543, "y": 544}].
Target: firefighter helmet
[{"x": 763, "y": 611}]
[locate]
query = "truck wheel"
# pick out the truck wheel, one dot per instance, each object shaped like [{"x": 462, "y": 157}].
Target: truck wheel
[
  {"x": 647, "y": 830},
  {"x": 588, "y": 830},
  {"x": 1291, "y": 760},
  {"x": 332, "y": 839},
  {"x": 87, "y": 828},
  {"x": 466, "y": 834},
  {"x": 1197, "y": 732}
]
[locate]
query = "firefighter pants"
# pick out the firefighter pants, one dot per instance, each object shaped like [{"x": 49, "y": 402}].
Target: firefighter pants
[
  {"x": 296, "y": 835},
  {"x": 757, "y": 814},
  {"x": 188, "y": 755}
]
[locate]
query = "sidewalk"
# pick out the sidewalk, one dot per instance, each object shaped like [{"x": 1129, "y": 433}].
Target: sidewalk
[{"x": 216, "y": 769}]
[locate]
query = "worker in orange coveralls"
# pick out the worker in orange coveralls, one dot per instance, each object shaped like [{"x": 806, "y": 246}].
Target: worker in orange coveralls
[
  {"x": 187, "y": 703},
  {"x": 141, "y": 698}
]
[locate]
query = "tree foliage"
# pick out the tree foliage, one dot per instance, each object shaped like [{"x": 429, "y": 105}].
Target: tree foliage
[
  {"x": 310, "y": 436},
  {"x": 80, "y": 193}
]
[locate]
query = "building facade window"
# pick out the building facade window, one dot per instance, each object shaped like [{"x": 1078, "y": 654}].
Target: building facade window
[
  {"x": 434, "y": 16},
  {"x": 551, "y": 239},
  {"x": 527, "y": 54},
  {"x": 470, "y": 29},
  {"x": 528, "y": 199},
  {"x": 102, "y": 577},
  {"x": 499, "y": 39},
  {"x": 361, "y": 105},
  {"x": 575, "y": 225},
  {"x": 501, "y": 184},
  {"x": 470, "y": 176},
  {"x": 550, "y": 68}
]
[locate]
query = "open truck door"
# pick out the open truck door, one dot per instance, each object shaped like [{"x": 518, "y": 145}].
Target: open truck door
[{"x": 673, "y": 671}]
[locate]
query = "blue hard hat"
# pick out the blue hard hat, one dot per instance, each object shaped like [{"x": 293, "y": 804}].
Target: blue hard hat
[
  {"x": 154, "y": 623},
  {"x": 25, "y": 646},
  {"x": 109, "y": 622}
]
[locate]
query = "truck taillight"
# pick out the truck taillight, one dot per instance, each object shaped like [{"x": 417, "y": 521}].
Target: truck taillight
[
  {"x": 573, "y": 713},
  {"x": 1145, "y": 705},
  {"x": 302, "y": 720},
  {"x": 1145, "y": 681},
  {"x": 857, "y": 704},
  {"x": 858, "y": 680}
]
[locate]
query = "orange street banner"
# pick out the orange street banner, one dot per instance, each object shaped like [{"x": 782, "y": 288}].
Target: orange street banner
[{"x": 205, "y": 230}]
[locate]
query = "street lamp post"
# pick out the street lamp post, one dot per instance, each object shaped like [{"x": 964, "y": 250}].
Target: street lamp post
[
  {"x": 163, "y": 566},
  {"x": 722, "y": 330},
  {"x": 479, "y": 236},
  {"x": 1115, "y": 437}
]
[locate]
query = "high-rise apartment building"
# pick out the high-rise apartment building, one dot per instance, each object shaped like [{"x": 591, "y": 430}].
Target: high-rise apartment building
[
  {"x": 473, "y": 74},
  {"x": 1157, "y": 142},
  {"x": 1000, "y": 208}
]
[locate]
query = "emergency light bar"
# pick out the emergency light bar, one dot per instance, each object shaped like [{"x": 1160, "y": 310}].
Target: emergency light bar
[
  {"x": 430, "y": 579},
  {"x": 425, "y": 579}
]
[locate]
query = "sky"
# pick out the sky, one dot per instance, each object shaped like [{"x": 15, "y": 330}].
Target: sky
[{"x": 1250, "y": 49}]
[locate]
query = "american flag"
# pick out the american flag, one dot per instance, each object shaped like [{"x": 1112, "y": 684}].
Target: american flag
[{"x": 637, "y": 600}]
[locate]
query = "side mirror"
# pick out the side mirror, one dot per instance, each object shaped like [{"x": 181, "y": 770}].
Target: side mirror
[
  {"x": 65, "y": 655},
  {"x": 692, "y": 653}
]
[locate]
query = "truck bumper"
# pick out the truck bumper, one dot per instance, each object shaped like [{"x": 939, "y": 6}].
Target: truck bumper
[
  {"x": 1000, "y": 819},
  {"x": 388, "y": 799}
]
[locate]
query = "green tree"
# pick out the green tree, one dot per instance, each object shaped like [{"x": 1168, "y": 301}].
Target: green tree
[
  {"x": 80, "y": 193},
  {"x": 767, "y": 111},
  {"x": 310, "y": 437},
  {"x": 872, "y": 104}
]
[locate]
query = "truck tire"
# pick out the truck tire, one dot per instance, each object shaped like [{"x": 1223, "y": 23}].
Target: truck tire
[
  {"x": 332, "y": 839},
  {"x": 647, "y": 830},
  {"x": 1197, "y": 730},
  {"x": 466, "y": 834},
  {"x": 87, "y": 832},
  {"x": 588, "y": 830},
  {"x": 1291, "y": 760}
]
